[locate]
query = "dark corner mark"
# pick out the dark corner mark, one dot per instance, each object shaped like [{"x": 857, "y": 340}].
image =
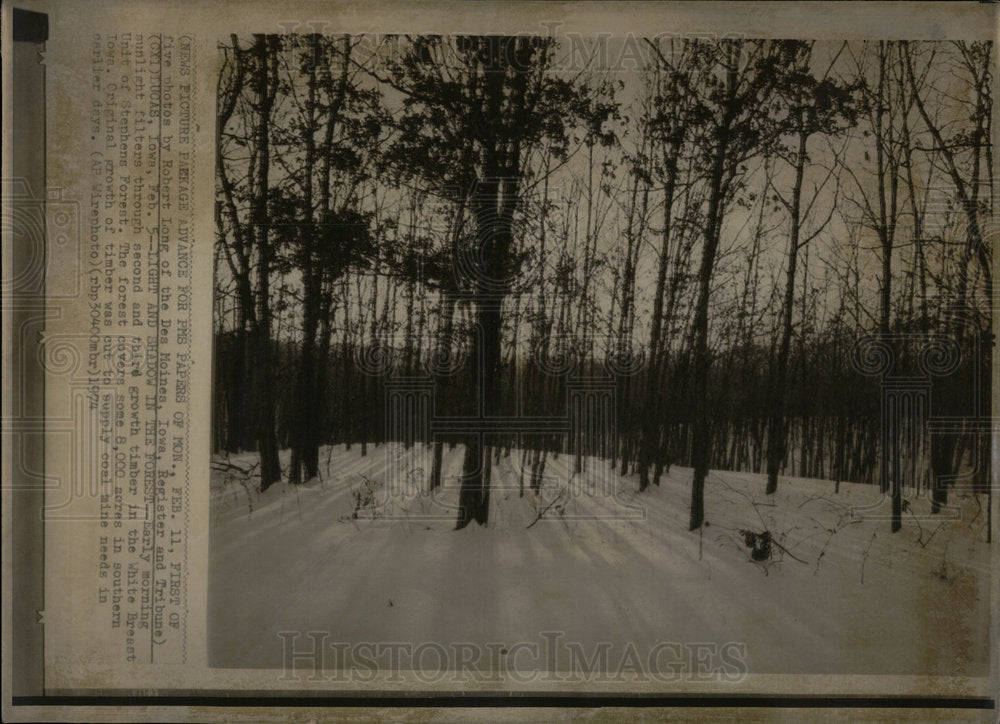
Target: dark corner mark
[{"x": 30, "y": 27}]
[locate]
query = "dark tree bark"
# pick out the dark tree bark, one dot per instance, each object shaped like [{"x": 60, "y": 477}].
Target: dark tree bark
[
  {"x": 444, "y": 349},
  {"x": 700, "y": 421},
  {"x": 494, "y": 214},
  {"x": 776, "y": 430},
  {"x": 654, "y": 398},
  {"x": 237, "y": 251},
  {"x": 305, "y": 393},
  {"x": 265, "y": 82}
]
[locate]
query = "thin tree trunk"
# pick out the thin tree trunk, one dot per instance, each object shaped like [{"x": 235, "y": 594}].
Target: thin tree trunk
[
  {"x": 777, "y": 432},
  {"x": 443, "y": 352},
  {"x": 267, "y": 443}
]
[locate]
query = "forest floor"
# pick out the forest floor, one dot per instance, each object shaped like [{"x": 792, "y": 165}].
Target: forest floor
[{"x": 604, "y": 566}]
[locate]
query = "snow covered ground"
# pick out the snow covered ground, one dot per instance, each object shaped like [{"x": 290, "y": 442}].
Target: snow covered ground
[{"x": 604, "y": 566}]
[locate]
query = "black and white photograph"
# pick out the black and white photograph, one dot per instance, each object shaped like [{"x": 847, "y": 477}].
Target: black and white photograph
[
  {"x": 511, "y": 360},
  {"x": 585, "y": 359}
]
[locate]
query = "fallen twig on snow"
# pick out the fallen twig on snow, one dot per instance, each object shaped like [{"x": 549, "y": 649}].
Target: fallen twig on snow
[{"x": 541, "y": 513}]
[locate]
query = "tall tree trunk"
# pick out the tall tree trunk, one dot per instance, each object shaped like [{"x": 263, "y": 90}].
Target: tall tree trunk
[
  {"x": 650, "y": 418},
  {"x": 443, "y": 352},
  {"x": 267, "y": 442},
  {"x": 306, "y": 392},
  {"x": 494, "y": 209},
  {"x": 701, "y": 432},
  {"x": 241, "y": 430},
  {"x": 701, "y": 441},
  {"x": 319, "y": 431},
  {"x": 776, "y": 431},
  {"x": 304, "y": 396},
  {"x": 474, "y": 495}
]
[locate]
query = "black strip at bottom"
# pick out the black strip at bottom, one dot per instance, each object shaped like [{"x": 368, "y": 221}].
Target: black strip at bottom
[{"x": 413, "y": 699}]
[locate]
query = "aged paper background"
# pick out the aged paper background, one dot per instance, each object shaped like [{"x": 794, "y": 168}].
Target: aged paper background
[{"x": 83, "y": 653}]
